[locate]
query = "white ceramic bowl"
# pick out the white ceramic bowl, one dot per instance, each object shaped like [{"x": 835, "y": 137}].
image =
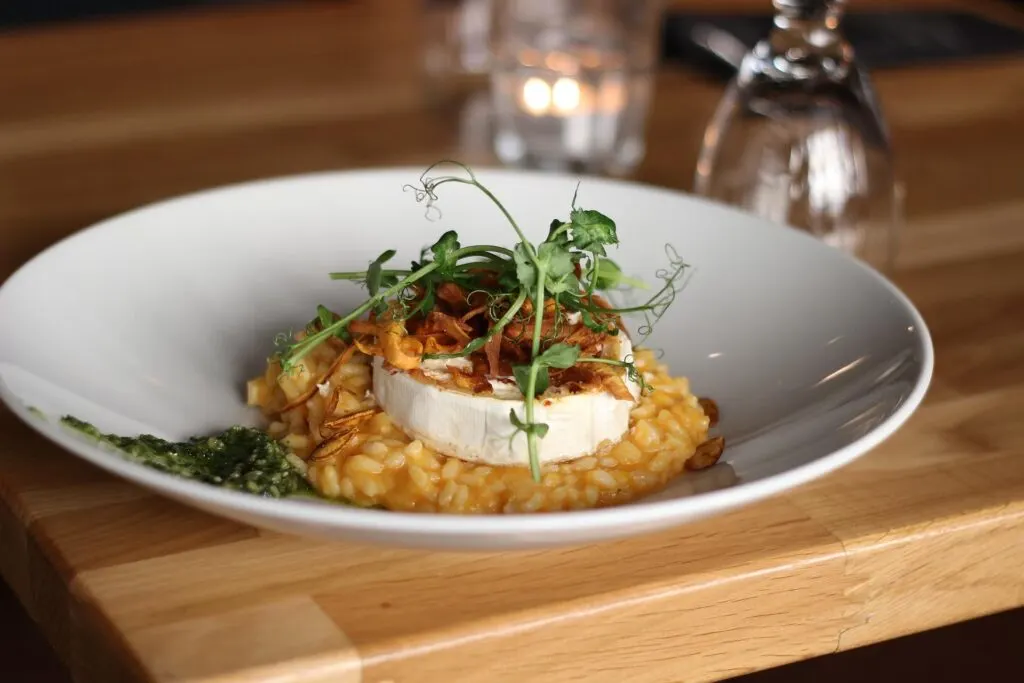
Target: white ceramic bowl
[{"x": 153, "y": 320}]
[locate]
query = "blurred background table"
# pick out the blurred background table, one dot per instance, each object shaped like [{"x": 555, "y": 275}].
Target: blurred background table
[{"x": 928, "y": 530}]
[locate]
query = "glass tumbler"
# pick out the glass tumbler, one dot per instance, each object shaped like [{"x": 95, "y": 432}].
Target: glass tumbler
[{"x": 571, "y": 82}]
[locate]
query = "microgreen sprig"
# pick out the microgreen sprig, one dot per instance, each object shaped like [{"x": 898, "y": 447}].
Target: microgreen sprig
[{"x": 567, "y": 268}]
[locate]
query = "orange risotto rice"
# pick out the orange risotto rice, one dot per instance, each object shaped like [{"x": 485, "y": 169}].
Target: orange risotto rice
[{"x": 377, "y": 464}]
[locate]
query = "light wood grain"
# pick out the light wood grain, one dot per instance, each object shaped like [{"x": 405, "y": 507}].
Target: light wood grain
[
  {"x": 926, "y": 530},
  {"x": 268, "y": 641}
]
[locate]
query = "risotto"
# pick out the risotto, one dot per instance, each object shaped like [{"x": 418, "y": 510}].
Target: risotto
[{"x": 377, "y": 464}]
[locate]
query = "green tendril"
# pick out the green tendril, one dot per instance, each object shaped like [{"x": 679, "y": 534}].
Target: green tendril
[{"x": 568, "y": 267}]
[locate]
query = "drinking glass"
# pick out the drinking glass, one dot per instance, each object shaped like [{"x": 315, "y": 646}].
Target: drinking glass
[
  {"x": 799, "y": 137},
  {"x": 571, "y": 82},
  {"x": 456, "y": 47}
]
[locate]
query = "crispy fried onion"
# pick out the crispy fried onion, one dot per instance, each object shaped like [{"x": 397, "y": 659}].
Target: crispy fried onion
[
  {"x": 580, "y": 378},
  {"x": 479, "y": 310},
  {"x": 492, "y": 349},
  {"x": 458, "y": 317},
  {"x": 388, "y": 339},
  {"x": 403, "y": 343},
  {"x": 345, "y": 428},
  {"x": 350, "y": 421},
  {"x": 452, "y": 326},
  {"x": 707, "y": 454},
  {"x": 436, "y": 343},
  {"x": 342, "y": 358},
  {"x": 451, "y": 294},
  {"x": 710, "y": 409}
]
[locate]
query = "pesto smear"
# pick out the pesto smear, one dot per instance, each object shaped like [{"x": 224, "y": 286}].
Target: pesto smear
[{"x": 239, "y": 458}]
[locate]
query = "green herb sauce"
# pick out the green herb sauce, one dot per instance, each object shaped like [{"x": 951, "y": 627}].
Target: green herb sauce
[{"x": 239, "y": 458}]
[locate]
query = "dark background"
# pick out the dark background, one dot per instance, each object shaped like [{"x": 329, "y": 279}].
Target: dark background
[
  {"x": 882, "y": 39},
  {"x": 15, "y": 13}
]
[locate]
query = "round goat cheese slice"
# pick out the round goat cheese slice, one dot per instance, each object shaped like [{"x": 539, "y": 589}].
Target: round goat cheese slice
[{"x": 477, "y": 428}]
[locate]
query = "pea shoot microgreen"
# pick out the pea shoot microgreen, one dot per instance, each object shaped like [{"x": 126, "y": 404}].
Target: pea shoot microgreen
[{"x": 567, "y": 268}]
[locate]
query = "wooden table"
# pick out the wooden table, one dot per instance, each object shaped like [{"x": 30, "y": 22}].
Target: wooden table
[{"x": 927, "y": 530}]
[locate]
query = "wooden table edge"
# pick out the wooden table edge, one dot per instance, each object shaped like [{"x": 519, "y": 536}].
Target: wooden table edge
[{"x": 82, "y": 634}]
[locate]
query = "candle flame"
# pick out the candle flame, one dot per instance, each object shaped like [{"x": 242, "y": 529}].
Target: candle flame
[
  {"x": 536, "y": 96},
  {"x": 566, "y": 95}
]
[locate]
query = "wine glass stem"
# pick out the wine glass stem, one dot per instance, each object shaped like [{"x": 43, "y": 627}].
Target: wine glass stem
[
  {"x": 805, "y": 44},
  {"x": 809, "y": 10}
]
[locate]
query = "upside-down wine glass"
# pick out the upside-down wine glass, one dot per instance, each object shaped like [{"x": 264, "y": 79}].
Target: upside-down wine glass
[{"x": 799, "y": 137}]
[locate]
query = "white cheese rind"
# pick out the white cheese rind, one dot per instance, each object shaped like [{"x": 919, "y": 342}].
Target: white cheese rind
[{"x": 477, "y": 428}]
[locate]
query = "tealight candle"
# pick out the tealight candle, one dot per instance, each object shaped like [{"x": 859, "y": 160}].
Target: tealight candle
[
  {"x": 581, "y": 109},
  {"x": 571, "y": 88}
]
